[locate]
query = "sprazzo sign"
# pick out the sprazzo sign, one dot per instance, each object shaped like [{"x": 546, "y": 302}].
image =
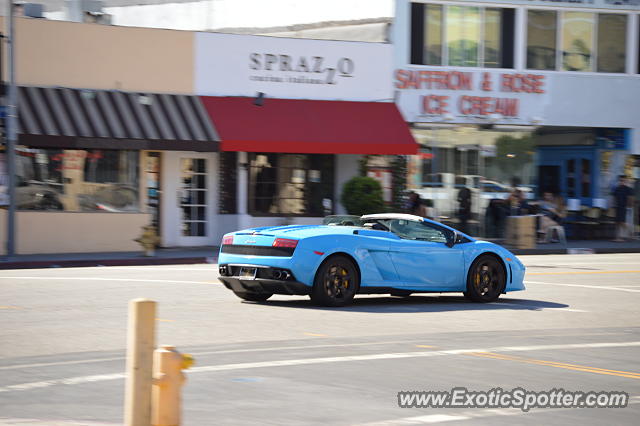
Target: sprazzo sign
[
  {"x": 314, "y": 69},
  {"x": 243, "y": 65}
]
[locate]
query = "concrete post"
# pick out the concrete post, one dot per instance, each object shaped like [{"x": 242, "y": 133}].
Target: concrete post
[{"x": 140, "y": 346}]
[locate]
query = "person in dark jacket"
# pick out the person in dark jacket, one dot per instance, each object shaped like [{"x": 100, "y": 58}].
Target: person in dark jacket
[
  {"x": 623, "y": 199},
  {"x": 464, "y": 208}
]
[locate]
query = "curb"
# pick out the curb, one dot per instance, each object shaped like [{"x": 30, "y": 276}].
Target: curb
[{"x": 105, "y": 262}]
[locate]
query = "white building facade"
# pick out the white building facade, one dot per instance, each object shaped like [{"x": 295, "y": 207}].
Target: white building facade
[{"x": 561, "y": 77}]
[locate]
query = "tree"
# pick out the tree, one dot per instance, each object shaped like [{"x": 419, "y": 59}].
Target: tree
[
  {"x": 362, "y": 195},
  {"x": 512, "y": 154}
]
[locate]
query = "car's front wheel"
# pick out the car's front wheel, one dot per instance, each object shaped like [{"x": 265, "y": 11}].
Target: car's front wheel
[
  {"x": 486, "y": 280},
  {"x": 251, "y": 296},
  {"x": 336, "y": 282}
]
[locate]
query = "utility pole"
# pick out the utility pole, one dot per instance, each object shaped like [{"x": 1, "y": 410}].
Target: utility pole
[{"x": 10, "y": 130}]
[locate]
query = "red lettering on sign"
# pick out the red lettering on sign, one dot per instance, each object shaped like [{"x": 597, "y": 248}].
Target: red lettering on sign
[
  {"x": 517, "y": 83},
  {"x": 434, "y": 104},
  {"x": 480, "y": 105}
]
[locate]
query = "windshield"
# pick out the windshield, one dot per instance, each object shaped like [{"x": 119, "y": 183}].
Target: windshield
[{"x": 409, "y": 230}]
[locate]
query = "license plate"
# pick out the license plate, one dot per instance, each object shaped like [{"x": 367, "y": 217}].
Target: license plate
[{"x": 248, "y": 273}]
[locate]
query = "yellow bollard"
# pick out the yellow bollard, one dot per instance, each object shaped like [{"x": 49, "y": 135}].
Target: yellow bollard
[
  {"x": 168, "y": 379},
  {"x": 140, "y": 345}
]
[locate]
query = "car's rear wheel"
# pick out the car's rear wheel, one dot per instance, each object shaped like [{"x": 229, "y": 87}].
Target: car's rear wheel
[
  {"x": 486, "y": 280},
  {"x": 336, "y": 282},
  {"x": 251, "y": 296}
]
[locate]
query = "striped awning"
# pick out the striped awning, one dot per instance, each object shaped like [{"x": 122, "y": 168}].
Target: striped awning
[{"x": 78, "y": 118}]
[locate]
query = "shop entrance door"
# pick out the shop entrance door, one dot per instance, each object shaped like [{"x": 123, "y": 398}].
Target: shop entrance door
[
  {"x": 549, "y": 177},
  {"x": 187, "y": 218}
]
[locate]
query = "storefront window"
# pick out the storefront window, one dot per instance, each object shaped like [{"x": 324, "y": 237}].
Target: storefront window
[
  {"x": 612, "y": 42},
  {"x": 577, "y": 41},
  {"x": 290, "y": 184},
  {"x": 152, "y": 183},
  {"x": 541, "y": 39},
  {"x": 228, "y": 180},
  {"x": 77, "y": 180},
  {"x": 463, "y": 35},
  {"x": 193, "y": 197},
  {"x": 489, "y": 162}
]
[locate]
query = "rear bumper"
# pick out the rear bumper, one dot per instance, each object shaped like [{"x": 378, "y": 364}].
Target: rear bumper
[{"x": 262, "y": 284}]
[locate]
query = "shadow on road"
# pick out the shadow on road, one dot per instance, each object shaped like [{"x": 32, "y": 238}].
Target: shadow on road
[{"x": 421, "y": 303}]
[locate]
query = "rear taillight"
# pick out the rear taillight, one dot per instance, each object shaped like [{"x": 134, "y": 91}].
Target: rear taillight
[
  {"x": 227, "y": 240},
  {"x": 285, "y": 242}
]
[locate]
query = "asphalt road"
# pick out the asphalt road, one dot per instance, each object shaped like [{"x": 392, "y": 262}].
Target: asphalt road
[{"x": 576, "y": 327}]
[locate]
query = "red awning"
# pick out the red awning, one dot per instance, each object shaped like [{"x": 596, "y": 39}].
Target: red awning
[{"x": 309, "y": 127}]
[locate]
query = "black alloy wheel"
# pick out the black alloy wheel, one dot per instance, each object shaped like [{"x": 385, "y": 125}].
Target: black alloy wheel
[
  {"x": 486, "y": 280},
  {"x": 336, "y": 282}
]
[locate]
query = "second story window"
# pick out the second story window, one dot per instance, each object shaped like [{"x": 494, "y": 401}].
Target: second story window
[
  {"x": 612, "y": 42},
  {"x": 541, "y": 39},
  {"x": 576, "y": 41},
  {"x": 466, "y": 36}
]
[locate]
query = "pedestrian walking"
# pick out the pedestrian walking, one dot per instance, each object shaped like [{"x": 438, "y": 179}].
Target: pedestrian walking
[
  {"x": 623, "y": 198},
  {"x": 464, "y": 208}
]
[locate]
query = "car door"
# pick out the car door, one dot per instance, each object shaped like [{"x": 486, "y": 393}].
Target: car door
[{"x": 422, "y": 258}]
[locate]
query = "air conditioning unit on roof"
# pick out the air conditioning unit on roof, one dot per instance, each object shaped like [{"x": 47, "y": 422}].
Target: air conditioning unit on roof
[{"x": 84, "y": 10}]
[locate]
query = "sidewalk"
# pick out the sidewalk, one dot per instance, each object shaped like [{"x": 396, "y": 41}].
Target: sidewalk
[
  {"x": 165, "y": 256},
  {"x": 191, "y": 255},
  {"x": 580, "y": 247}
]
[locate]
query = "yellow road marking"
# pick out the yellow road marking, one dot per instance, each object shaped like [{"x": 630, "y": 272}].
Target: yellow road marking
[
  {"x": 315, "y": 334},
  {"x": 582, "y": 272},
  {"x": 425, "y": 346},
  {"x": 165, "y": 320},
  {"x": 587, "y": 369},
  {"x": 11, "y": 307}
]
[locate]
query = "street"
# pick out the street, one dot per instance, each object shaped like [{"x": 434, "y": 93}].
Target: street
[{"x": 285, "y": 361}]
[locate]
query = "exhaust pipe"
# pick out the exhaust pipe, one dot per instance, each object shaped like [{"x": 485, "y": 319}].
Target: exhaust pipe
[{"x": 277, "y": 274}]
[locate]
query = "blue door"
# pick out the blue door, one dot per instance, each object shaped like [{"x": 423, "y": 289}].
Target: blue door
[{"x": 422, "y": 258}]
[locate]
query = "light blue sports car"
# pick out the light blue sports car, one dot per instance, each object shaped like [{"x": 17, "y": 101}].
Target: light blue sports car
[{"x": 397, "y": 254}]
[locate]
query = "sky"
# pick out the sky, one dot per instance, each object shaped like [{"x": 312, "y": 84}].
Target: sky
[
  {"x": 267, "y": 13},
  {"x": 210, "y": 14}
]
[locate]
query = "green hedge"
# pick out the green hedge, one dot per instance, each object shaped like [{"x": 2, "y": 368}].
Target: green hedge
[{"x": 362, "y": 195}]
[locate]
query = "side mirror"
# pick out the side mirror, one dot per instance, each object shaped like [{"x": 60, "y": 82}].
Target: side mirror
[
  {"x": 455, "y": 239},
  {"x": 452, "y": 240}
]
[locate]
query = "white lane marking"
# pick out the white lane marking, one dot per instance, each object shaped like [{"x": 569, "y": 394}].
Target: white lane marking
[
  {"x": 597, "y": 287},
  {"x": 110, "y": 279},
  {"x": 325, "y": 360},
  {"x": 56, "y": 422},
  {"x": 547, "y": 265},
  {"x": 420, "y": 420},
  {"x": 227, "y": 351},
  {"x": 51, "y": 364},
  {"x": 468, "y": 415}
]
